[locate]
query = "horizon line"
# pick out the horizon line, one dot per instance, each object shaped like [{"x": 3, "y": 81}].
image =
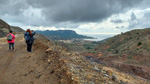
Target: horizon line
[{"x": 100, "y": 33}]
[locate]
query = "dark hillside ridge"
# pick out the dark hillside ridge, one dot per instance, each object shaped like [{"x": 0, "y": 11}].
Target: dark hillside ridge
[
  {"x": 5, "y": 28},
  {"x": 62, "y": 34},
  {"x": 16, "y": 29}
]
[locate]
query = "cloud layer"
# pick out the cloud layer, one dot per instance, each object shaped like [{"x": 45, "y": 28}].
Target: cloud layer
[{"x": 69, "y": 13}]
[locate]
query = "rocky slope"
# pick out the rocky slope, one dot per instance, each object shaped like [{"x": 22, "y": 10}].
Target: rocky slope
[{"x": 128, "y": 52}]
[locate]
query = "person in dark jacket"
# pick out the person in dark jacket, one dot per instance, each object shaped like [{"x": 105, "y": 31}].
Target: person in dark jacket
[{"x": 29, "y": 34}]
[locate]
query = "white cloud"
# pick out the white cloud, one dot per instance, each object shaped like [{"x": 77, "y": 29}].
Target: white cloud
[
  {"x": 106, "y": 27},
  {"x": 88, "y": 17}
]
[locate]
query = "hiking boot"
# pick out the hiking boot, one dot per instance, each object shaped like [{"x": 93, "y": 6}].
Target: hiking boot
[{"x": 30, "y": 51}]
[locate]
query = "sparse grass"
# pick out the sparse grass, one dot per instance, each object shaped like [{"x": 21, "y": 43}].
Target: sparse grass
[
  {"x": 146, "y": 46},
  {"x": 130, "y": 57}
]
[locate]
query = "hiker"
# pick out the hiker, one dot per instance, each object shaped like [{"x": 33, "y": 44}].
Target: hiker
[
  {"x": 29, "y": 39},
  {"x": 11, "y": 40}
]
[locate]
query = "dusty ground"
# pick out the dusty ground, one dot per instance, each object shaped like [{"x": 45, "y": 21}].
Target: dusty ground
[
  {"x": 21, "y": 67},
  {"x": 51, "y": 64}
]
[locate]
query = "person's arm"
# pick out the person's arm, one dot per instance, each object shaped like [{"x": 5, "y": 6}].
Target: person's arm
[
  {"x": 33, "y": 33},
  {"x": 24, "y": 35},
  {"x": 14, "y": 36}
]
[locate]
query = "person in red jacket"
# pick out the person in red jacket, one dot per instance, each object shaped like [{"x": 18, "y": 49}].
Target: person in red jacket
[
  {"x": 12, "y": 41},
  {"x": 28, "y": 35}
]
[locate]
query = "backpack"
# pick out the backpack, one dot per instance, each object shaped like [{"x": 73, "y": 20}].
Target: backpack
[
  {"x": 27, "y": 38},
  {"x": 9, "y": 37}
]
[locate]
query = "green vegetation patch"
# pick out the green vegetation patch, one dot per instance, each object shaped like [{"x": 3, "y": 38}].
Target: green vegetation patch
[{"x": 139, "y": 43}]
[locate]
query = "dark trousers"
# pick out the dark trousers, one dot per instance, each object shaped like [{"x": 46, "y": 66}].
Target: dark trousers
[
  {"x": 11, "y": 45},
  {"x": 29, "y": 47}
]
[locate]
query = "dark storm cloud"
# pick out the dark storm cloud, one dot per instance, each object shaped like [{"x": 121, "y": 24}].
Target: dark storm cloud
[
  {"x": 82, "y": 10},
  {"x": 85, "y": 10},
  {"x": 12, "y": 7},
  {"x": 117, "y": 21},
  {"x": 70, "y": 11}
]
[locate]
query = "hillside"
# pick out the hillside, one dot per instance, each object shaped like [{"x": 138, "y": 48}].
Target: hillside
[
  {"x": 128, "y": 52},
  {"x": 52, "y": 64},
  {"x": 62, "y": 34},
  {"x": 134, "y": 41},
  {"x": 3, "y": 24},
  {"x": 5, "y": 28}
]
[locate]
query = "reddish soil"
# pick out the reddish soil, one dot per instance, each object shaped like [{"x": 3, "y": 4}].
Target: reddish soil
[{"x": 120, "y": 63}]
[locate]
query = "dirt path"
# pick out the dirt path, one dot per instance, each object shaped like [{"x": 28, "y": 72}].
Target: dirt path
[
  {"x": 22, "y": 67},
  {"x": 8, "y": 58}
]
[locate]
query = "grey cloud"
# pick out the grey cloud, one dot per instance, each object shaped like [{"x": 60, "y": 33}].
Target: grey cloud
[
  {"x": 82, "y": 10},
  {"x": 87, "y": 10},
  {"x": 12, "y": 7},
  {"x": 133, "y": 17},
  {"x": 143, "y": 22},
  {"x": 120, "y": 27},
  {"x": 117, "y": 27},
  {"x": 117, "y": 21},
  {"x": 73, "y": 12},
  {"x": 147, "y": 15}
]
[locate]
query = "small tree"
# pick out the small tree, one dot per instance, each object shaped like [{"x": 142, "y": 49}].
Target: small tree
[{"x": 139, "y": 43}]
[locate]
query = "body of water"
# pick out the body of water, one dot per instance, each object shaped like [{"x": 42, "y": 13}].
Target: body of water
[{"x": 99, "y": 37}]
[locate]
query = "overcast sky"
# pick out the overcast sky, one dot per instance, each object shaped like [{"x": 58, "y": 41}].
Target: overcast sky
[{"x": 83, "y": 16}]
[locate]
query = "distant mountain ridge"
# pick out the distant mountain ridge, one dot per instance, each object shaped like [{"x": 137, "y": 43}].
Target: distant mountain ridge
[{"x": 62, "y": 34}]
